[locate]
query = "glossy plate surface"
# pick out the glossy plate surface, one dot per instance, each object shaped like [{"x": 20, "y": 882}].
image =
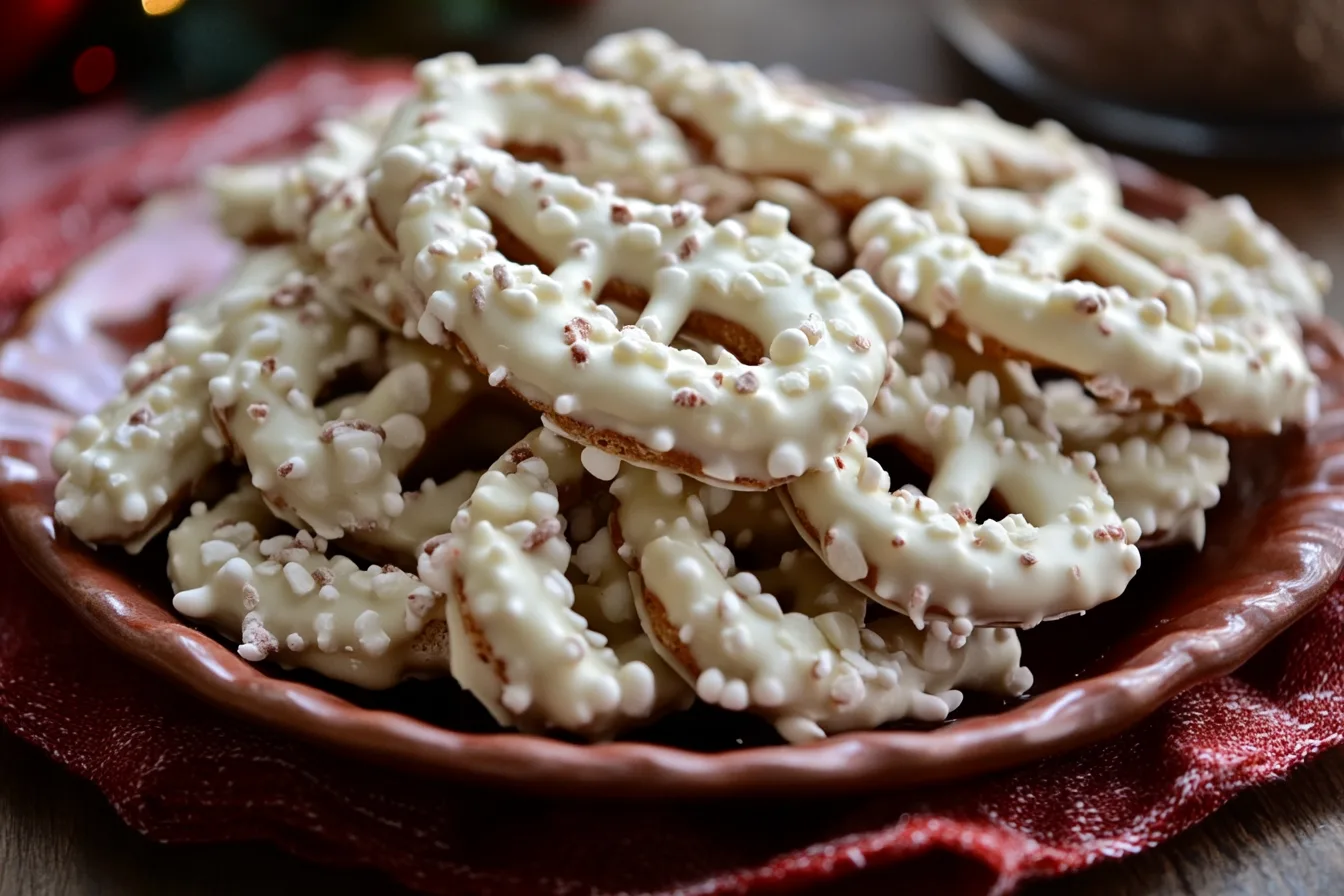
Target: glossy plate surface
[{"x": 1275, "y": 545}]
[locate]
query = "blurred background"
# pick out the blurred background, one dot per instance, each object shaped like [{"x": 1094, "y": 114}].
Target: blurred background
[{"x": 1196, "y": 77}]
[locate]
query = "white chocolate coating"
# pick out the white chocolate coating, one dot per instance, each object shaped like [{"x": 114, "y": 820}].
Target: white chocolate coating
[
  {"x": 325, "y": 201},
  {"x": 321, "y": 200},
  {"x": 1063, "y": 549},
  {"x": 757, "y": 127},
  {"x": 280, "y": 597},
  {"x": 815, "y": 670},
  {"x": 128, "y": 466},
  {"x": 1211, "y": 344},
  {"x": 545, "y": 337},
  {"x": 341, "y": 475},
  {"x": 601, "y": 131},
  {"x": 283, "y": 348},
  {"x": 761, "y": 126},
  {"x": 263, "y": 200},
  {"x": 1161, "y": 472},
  {"x": 518, "y": 642},
  {"x": 1230, "y": 227},
  {"x": 429, "y": 512}
]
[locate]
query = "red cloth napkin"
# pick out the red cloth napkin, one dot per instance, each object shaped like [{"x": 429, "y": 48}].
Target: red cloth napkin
[{"x": 181, "y": 772}]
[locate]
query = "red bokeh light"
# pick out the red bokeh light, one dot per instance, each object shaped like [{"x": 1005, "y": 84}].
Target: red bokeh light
[{"x": 94, "y": 70}]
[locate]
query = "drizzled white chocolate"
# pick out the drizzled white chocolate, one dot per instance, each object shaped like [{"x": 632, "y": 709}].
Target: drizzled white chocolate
[
  {"x": 126, "y": 468},
  {"x": 814, "y": 670},
  {"x": 282, "y": 598},
  {"x": 519, "y": 642},
  {"x": 1207, "y": 341},
  {"x": 545, "y": 336},
  {"x": 1062, "y": 549},
  {"x": 598, "y": 130}
]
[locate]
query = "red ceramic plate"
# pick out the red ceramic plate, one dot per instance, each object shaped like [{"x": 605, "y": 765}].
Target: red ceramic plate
[{"x": 1275, "y": 543}]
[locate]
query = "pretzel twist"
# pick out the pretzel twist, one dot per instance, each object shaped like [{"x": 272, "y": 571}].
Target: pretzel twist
[
  {"x": 757, "y": 125},
  {"x": 1161, "y": 472},
  {"x": 321, "y": 200},
  {"x": 593, "y": 130},
  {"x": 815, "y": 670}
]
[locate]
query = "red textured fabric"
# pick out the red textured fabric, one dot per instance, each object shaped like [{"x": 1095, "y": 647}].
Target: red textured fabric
[{"x": 181, "y": 772}]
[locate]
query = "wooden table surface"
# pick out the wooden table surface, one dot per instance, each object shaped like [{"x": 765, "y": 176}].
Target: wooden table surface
[{"x": 58, "y": 836}]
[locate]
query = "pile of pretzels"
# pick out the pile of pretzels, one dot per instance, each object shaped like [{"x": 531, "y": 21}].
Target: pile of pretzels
[{"x": 690, "y": 317}]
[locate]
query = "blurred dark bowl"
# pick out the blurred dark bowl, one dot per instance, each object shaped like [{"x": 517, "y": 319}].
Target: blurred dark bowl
[{"x": 1197, "y": 77}]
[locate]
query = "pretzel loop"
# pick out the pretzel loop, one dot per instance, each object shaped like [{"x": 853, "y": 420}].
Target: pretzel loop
[
  {"x": 1063, "y": 549},
  {"x": 1208, "y": 343}
]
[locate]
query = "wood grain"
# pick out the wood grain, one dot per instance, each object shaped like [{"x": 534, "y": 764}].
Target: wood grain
[{"x": 58, "y": 836}]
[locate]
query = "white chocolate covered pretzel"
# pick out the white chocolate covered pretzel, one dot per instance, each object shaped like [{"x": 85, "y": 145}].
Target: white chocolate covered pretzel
[
  {"x": 1161, "y": 472},
  {"x": 278, "y": 353},
  {"x": 760, "y": 126},
  {"x": 262, "y": 201},
  {"x": 1221, "y": 264},
  {"x": 340, "y": 475},
  {"x": 594, "y": 130},
  {"x": 814, "y": 670},
  {"x": 519, "y": 641},
  {"x": 1207, "y": 346},
  {"x": 1062, "y": 549},
  {"x": 125, "y": 469},
  {"x": 1229, "y": 226},
  {"x": 751, "y": 289},
  {"x": 321, "y": 200},
  {"x": 282, "y": 598}
]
